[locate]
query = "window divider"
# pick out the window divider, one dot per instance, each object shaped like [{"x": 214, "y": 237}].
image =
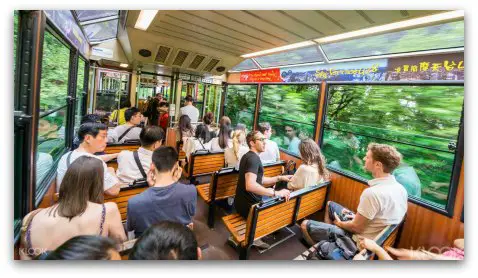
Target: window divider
[{"x": 258, "y": 106}]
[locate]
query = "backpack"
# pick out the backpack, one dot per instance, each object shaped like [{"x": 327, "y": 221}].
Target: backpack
[{"x": 337, "y": 247}]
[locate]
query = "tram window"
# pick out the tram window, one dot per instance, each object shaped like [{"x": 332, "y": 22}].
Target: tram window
[
  {"x": 422, "y": 122},
  {"x": 241, "y": 104},
  {"x": 50, "y": 141},
  {"x": 16, "y": 18},
  {"x": 213, "y": 100},
  {"x": 80, "y": 93},
  {"x": 291, "y": 110},
  {"x": 54, "y": 76}
]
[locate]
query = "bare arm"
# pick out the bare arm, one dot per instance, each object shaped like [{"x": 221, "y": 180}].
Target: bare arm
[
  {"x": 356, "y": 225},
  {"x": 371, "y": 245},
  {"x": 115, "y": 227},
  {"x": 276, "y": 179},
  {"x": 253, "y": 187},
  {"x": 113, "y": 191},
  {"x": 108, "y": 157}
]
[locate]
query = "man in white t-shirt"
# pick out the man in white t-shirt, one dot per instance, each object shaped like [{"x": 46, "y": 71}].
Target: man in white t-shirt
[
  {"x": 129, "y": 170},
  {"x": 382, "y": 204},
  {"x": 128, "y": 131},
  {"x": 92, "y": 138},
  {"x": 271, "y": 153},
  {"x": 190, "y": 110}
]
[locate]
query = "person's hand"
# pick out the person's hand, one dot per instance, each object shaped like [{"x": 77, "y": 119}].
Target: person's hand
[
  {"x": 151, "y": 177},
  {"x": 190, "y": 226},
  {"x": 285, "y": 178},
  {"x": 283, "y": 193},
  {"x": 365, "y": 243},
  {"x": 337, "y": 221}
]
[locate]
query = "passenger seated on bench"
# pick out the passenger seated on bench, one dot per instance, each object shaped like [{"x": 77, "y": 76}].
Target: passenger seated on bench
[
  {"x": 200, "y": 141},
  {"x": 382, "y": 204},
  {"x": 79, "y": 211},
  {"x": 207, "y": 120},
  {"x": 151, "y": 138},
  {"x": 271, "y": 153},
  {"x": 84, "y": 248},
  {"x": 130, "y": 130},
  {"x": 223, "y": 140},
  {"x": 455, "y": 253},
  {"x": 92, "y": 140},
  {"x": 166, "y": 240},
  {"x": 232, "y": 156},
  {"x": 184, "y": 130},
  {"x": 312, "y": 171},
  {"x": 166, "y": 199}
]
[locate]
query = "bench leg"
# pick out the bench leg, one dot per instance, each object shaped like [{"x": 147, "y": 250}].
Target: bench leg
[
  {"x": 244, "y": 252},
  {"x": 210, "y": 217}
]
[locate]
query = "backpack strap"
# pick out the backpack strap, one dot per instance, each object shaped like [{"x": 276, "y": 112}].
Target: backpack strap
[
  {"x": 124, "y": 133},
  {"x": 138, "y": 163},
  {"x": 68, "y": 160},
  {"x": 25, "y": 229}
]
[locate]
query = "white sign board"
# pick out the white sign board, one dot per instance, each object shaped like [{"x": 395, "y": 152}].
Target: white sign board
[{"x": 102, "y": 52}]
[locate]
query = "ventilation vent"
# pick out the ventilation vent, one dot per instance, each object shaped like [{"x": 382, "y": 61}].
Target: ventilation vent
[
  {"x": 163, "y": 53},
  {"x": 211, "y": 64},
  {"x": 197, "y": 61},
  {"x": 180, "y": 58},
  {"x": 404, "y": 13}
]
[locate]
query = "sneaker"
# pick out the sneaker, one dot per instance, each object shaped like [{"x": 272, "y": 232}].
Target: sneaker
[{"x": 260, "y": 244}]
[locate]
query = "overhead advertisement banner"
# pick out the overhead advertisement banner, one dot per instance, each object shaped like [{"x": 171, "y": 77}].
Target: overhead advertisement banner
[{"x": 261, "y": 76}]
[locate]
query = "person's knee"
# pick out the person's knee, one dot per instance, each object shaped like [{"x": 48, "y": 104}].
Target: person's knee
[{"x": 303, "y": 225}]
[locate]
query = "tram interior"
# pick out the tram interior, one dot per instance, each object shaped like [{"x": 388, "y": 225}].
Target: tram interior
[{"x": 341, "y": 78}]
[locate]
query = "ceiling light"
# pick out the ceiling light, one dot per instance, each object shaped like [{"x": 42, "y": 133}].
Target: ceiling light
[
  {"x": 279, "y": 49},
  {"x": 124, "y": 65},
  {"x": 144, "y": 19},
  {"x": 393, "y": 26}
]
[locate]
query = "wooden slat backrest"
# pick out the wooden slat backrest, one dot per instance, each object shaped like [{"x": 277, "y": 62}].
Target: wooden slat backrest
[
  {"x": 122, "y": 199},
  {"x": 118, "y": 148},
  {"x": 274, "y": 218},
  {"x": 206, "y": 163},
  {"x": 112, "y": 163},
  {"x": 179, "y": 149},
  {"x": 312, "y": 202}
]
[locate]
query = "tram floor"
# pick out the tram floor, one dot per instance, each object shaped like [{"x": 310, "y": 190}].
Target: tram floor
[{"x": 214, "y": 241}]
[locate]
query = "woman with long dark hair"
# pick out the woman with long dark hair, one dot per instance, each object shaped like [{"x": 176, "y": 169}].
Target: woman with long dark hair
[
  {"x": 80, "y": 211},
  {"x": 184, "y": 129},
  {"x": 200, "y": 141}
]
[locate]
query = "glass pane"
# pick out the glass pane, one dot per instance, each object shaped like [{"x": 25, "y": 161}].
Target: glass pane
[
  {"x": 240, "y": 104},
  {"x": 101, "y": 31},
  {"x": 54, "y": 76},
  {"x": 200, "y": 93},
  {"x": 16, "y": 18},
  {"x": 297, "y": 56},
  {"x": 85, "y": 15},
  {"x": 112, "y": 91},
  {"x": 80, "y": 93},
  {"x": 245, "y": 65},
  {"x": 291, "y": 111},
  {"x": 66, "y": 23},
  {"x": 440, "y": 36},
  {"x": 422, "y": 122},
  {"x": 50, "y": 142},
  {"x": 213, "y": 101}
]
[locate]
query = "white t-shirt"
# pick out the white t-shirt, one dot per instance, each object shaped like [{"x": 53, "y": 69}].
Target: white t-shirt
[
  {"x": 271, "y": 153},
  {"x": 133, "y": 134},
  {"x": 305, "y": 176},
  {"x": 192, "y": 144},
  {"x": 215, "y": 144},
  {"x": 230, "y": 157},
  {"x": 128, "y": 170},
  {"x": 191, "y": 111},
  {"x": 109, "y": 179},
  {"x": 385, "y": 202}
]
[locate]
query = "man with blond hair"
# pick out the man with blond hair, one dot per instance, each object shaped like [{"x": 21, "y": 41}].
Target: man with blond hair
[{"x": 383, "y": 203}]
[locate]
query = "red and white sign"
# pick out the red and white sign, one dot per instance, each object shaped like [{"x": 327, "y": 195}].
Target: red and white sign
[{"x": 269, "y": 75}]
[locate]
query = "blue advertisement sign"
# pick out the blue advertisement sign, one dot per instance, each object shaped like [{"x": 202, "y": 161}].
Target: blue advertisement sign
[{"x": 66, "y": 23}]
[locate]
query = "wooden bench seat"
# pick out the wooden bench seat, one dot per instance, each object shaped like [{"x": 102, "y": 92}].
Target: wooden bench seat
[
  {"x": 125, "y": 194},
  {"x": 179, "y": 149},
  {"x": 203, "y": 163},
  {"x": 274, "y": 214},
  {"x": 223, "y": 185},
  {"x": 116, "y": 148}
]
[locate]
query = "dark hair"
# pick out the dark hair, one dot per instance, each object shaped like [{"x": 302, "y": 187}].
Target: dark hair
[
  {"x": 251, "y": 136},
  {"x": 150, "y": 135},
  {"x": 84, "y": 248},
  {"x": 90, "y": 118},
  {"x": 163, "y": 103},
  {"x": 224, "y": 136},
  {"x": 166, "y": 240},
  {"x": 188, "y": 98},
  {"x": 208, "y": 118},
  {"x": 90, "y": 129},
  {"x": 225, "y": 120},
  {"x": 184, "y": 124},
  {"x": 263, "y": 127},
  {"x": 240, "y": 127},
  {"x": 125, "y": 103},
  {"x": 130, "y": 112},
  {"x": 83, "y": 182},
  {"x": 164, "y": 158},
  {"x": 202, "y": 132},
  {"x": 385, "y": 154}
]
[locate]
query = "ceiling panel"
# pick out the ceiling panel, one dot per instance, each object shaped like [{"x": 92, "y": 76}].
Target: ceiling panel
[
  {"x": 351, "y": 20},
  {"x": 317, "y": 21}
]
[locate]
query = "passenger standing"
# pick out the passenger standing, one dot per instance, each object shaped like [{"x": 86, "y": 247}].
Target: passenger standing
[
  {"x": 190, "y": 110},
  {"x": 130, "y": 130},
  {"x": 79, "y": 211},
  {"x": 312, "y": 171},
  {"x": 135, "y": 165},
  {"x": 382, "y": 204},
  {"x": 166, "y": 199},
  {"x": 271, "y": 153},
  {"x": 163, "y": 115},
  {"x": 118, "y": 116},
  {"x": 152, "y": 112},
  {"x": 92, "y": 138}
]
